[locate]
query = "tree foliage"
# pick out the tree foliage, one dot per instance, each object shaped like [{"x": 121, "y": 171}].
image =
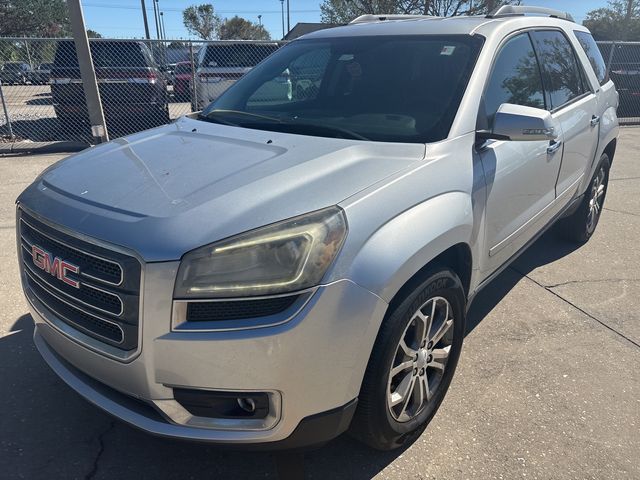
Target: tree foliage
[
  {"x": 619, "y": 21},
  {"x": 34, "y": 18},
  {"x": 202, "y": 21},
  {"x": 343, "y": 11},
  {"x": 238, "y": 28}
]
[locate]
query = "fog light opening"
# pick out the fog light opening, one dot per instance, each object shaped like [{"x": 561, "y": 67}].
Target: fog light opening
[{"x": 247, "y": 404}]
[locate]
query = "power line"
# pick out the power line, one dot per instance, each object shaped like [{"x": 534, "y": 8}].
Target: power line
[{"x": 174, "y": 9}]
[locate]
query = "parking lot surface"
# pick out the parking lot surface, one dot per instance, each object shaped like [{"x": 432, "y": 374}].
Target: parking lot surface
[{"x": 548, "y": 385}]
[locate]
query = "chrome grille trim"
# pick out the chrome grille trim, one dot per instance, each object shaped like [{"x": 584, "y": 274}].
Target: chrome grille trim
[
  {"x": 118, "y": 338},
  {"x": 68, "y": 320},
  {"x": 75, "y": 299},
  {"x": 84, "y": 252}
]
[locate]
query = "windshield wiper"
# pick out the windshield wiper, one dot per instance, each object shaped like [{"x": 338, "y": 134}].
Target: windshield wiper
[
  {"x": 213, "y": 119},
  {"x": 221, "y": 111},
  {"x": 308, "y": 129}
]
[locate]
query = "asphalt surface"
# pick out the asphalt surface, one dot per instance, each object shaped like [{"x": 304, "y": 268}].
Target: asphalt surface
[{"x": 548, "y": 385}]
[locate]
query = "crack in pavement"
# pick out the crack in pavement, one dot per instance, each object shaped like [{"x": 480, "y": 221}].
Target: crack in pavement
[
  {"x": 94, "y": 468},
  {"x": 548, "y": 289},
  {"x": 624, "y": 178},
  {"x": 624, "y": 212},
  {"x": 592, "y": 281}
]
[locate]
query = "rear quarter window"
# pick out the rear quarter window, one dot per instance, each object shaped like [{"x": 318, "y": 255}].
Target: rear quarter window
[{"x": 590, "y": 47}]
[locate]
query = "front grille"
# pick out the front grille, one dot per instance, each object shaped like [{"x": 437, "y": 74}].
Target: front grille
[
  {"x": 237, "y": 309},
  {"x": 100, "y": 300}
]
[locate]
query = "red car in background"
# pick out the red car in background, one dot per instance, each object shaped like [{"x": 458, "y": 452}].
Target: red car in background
[{"x": 182, "y": 81}]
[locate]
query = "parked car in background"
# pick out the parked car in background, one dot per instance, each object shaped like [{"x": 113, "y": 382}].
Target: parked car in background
[
  {"x": 277, "y": 270},
  {"x": 42, "y": 74},
  {"x": 183, "y": 80},
  {"x": 132, "y": 88},
  {"x": 15, "y": 73},
  {"x": 220, "y": 65}
]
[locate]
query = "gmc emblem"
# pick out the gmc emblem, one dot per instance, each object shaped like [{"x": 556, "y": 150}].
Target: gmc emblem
[{"x": 54, "y": 265}]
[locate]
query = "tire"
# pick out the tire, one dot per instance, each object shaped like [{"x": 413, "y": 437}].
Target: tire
[
  {"x": 580, "y": 225},
  {"x": 382, "y": 421}
]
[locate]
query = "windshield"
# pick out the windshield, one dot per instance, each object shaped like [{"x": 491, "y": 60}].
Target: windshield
[{"x": 382, "y": 88}]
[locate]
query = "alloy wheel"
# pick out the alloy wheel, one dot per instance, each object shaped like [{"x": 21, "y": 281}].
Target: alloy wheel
[{"x": 420, "y": 359}]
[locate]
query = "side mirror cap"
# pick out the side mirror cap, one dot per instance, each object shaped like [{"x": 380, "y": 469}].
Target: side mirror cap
[{"x": 522, "y": 124}]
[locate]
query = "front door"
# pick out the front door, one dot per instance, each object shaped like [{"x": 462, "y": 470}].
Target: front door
[{"x": 520, "y": 176}]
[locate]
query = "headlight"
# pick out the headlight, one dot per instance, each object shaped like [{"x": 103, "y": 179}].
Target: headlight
[{"x": 283, "y": 257}]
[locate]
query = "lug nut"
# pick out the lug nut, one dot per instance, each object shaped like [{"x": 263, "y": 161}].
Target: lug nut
[
  {"x": 429, "y": 358},
  {"x": 422, "y": 371},
  {"x": 430, "y": 346},
  {"x": 415, "y": 371}
]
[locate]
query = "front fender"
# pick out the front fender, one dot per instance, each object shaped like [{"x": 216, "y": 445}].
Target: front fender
[{"x": 406, "y": 243}]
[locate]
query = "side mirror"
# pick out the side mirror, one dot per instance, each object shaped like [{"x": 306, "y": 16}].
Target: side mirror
[{"x": 521, "y": 124}]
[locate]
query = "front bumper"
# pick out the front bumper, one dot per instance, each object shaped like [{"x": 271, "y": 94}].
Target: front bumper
[{"x": 313, "y": 364}]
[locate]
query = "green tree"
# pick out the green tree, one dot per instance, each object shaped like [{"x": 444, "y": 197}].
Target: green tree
[
  {"x": 34, "y": 18},
  {"x": 238, "y": 28},
  {"x": 93, "y": 34},
  {"x": 619, "y": 21},
  {"x": 343, "y": 11},
  {"x": 201, "y": 20}
]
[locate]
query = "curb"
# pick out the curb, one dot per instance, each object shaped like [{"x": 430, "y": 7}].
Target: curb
[{"x": 42, "y": 147}]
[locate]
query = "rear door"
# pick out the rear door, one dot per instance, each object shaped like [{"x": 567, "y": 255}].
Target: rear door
[
  {"x": 573, "y": 105},
  {"x": 520, "y": 176}
]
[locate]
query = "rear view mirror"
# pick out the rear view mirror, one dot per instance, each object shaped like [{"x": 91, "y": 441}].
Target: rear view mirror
[{"x": 522, "y": 124}]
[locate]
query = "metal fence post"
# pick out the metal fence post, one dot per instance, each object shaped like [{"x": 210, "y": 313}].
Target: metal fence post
[
  {"x": 194, "y": 90},
  {"x": 613, "y": 47},
  {"x": 87, "y": 72},
  {"x": 6, "y": 112}
]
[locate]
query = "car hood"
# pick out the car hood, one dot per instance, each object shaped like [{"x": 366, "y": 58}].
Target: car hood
[{"x": 165, "y": 191}]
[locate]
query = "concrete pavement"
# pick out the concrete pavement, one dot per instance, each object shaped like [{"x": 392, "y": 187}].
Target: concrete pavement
[{"x": 548, "y": 385}]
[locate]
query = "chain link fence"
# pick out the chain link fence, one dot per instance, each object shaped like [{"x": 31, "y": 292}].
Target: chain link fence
[
  {"x": 146, "y": 83},
  {"x": 623, "y": 65},
  {"x": 142, "y": 83}
]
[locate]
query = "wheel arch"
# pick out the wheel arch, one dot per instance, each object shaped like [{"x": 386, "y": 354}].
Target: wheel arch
[
  {"x": 438, "y": 230},
  {"x": 610, "y": 149}
]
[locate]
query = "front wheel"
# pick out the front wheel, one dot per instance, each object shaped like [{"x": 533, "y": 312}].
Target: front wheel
[
  {"x": 412, "y": 363},
  {"x": 580, "y": 225}
]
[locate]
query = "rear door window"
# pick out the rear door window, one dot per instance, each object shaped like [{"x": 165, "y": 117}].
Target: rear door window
[
  {"x": 561, "y": 73},
  {"x": 515, "y": 78},
  {"x": 595, "y": 56}
]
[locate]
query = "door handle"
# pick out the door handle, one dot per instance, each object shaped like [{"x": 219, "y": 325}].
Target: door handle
[
  {"x": 554, "y": 146},
  {"x": 595, "y": 120}
]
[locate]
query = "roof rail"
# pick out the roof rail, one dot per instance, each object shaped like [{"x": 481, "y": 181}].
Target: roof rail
[
  {"x": 383, "y": 17},
  {"x": 513, "y": 10}
]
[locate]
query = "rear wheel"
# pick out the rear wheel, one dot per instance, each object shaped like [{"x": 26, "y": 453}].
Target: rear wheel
[
  {"x": 412, "y": 363},
  {"x": 580, "y": 225}
]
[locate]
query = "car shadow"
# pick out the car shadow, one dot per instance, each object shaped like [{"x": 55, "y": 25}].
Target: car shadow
[
  {"x": 547, "y": 249},
  {"x": 50, "y": 431},
  {"x": 40, "y": 101}
]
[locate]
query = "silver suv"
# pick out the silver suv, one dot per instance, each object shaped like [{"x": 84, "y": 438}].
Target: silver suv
[{"x": 277, "y": 270}]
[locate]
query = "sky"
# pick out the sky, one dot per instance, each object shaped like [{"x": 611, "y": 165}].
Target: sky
[{"x": 123, "y": 18}]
